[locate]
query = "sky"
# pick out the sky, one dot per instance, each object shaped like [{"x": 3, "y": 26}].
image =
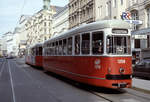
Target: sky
[{"x": 11, "y": 10}]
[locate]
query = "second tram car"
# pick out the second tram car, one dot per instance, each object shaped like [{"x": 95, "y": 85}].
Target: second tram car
[
  {"x": 34, "y": 55},
  {"x": 98, "y": 54}
]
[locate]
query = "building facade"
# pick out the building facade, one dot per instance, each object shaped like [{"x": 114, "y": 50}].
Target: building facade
[
  {"x": 87, "y": 11},
  {"x": 80, "y": 11},
  {"x": 39, "y": 26},
  {"x": 109, "y": 9},
  {"x": 7, "y": 40},
  {"x": 60, "y": 21},
  {"x": 20, "y": 33},
  {"x": 140, "y": 10}
]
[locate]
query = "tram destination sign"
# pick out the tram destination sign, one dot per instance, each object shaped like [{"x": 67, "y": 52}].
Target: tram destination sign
[{"x": 120, "y": 31}]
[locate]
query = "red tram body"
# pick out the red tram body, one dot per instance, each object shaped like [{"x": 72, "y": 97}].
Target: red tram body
[
  {"x": 34, "y": 56},
  {"x": 98, "y": 54}
]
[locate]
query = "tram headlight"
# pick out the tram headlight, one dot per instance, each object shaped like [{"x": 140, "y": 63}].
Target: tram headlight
[{"x": 121, "y": 70}]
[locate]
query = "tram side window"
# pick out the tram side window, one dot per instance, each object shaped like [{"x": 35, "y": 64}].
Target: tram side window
[
  {"x": 64, "y": 47},
  {"x": 40, "y": 51},
  {"x": 60, "y": 47},
  {"x": 36, "y": 51},
  {"x": 48, "y": 49},
  {"x": 52, "y": 48},
  {"x": 77, "y": 44},
  {"x": 56, "y": 48},
  {"x": 33, "y": 52},
  {"x": 85, "y": 48},
  {"x": 129, "y": 45},
  {"x": 70, "y": 46},
  {"x": 97, "y": 42}
]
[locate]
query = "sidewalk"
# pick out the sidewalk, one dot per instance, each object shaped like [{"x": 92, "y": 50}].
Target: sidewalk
[{"x": 141, "y": 84}]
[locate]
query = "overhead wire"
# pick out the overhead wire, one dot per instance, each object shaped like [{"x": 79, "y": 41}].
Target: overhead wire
[{"x": 21, "y": 11}]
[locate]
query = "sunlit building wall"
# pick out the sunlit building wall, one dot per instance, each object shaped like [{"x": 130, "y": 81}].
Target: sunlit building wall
[
  {"x": 60, "y": 21},
  {"x": 87, "y": 11}
]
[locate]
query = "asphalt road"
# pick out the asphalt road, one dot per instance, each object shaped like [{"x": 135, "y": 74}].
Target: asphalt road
[{"x": 22, "y": 83}]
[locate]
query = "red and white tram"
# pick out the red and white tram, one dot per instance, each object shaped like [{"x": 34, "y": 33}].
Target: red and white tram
[
  {"x": 98, "y": 54},
  {"x": 34, "y": 55}
]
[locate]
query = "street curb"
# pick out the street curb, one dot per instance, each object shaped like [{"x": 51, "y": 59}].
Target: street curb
[{"x": 140, "y": 89}]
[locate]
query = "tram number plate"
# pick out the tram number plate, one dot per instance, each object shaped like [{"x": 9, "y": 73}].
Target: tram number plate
[{"x": 97, "y": 64}]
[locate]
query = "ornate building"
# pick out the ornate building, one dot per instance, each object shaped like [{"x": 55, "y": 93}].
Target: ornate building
[
  {"x": 39, "y": 26},
  {"x": 87, "y": 11},
  {"x": 80, "y": 11}
]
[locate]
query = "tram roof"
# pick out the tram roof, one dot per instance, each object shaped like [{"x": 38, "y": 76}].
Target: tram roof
[
  {"x": 93, "y": 26},
  {"x": 37, "y": 45}
]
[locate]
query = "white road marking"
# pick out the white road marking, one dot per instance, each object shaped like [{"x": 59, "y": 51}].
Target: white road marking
[
  {"x": 2, "y": 69},
  {"x": 12, "y": 85},
  {"x": 130, "y": 100}
]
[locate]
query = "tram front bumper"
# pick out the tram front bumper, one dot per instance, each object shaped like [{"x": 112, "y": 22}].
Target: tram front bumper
[{"x": 120, "y": 85}]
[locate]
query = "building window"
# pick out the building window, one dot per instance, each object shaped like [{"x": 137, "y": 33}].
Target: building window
[
  {"x": 45, "y": 38},
  {"x": 108, "y": 9},
  {"x": 115, "y": 3},
  {"x": 121, "y": 2},
  {"x": 44, "y": 23},
  {"x": 137, "y": 43},
  {"x": 148, "y": 17},
  {"x": 134, "y": 16},
  {"x": 100, "y": 10},
  {"x": 45, "y": 31}
]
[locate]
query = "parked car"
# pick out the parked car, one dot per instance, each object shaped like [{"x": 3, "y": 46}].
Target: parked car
[
  {"x": 9, "y": 57},
  {"x": 142, "y": 69}
]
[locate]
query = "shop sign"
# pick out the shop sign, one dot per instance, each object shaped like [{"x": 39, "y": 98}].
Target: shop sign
[{"x": 140, "y": 36}]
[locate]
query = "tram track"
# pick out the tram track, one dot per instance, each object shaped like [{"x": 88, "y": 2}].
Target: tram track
[
  {"x": 101, "y": 96},
  {"x": 115, "y": 95},
  {"x": 145, "y": 96},
  {"x": 122, "y": 97},
  {"x": 93, "y": 90}
]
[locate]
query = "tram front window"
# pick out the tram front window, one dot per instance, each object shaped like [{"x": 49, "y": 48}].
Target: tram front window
[{"x": 118, "y": 45}]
